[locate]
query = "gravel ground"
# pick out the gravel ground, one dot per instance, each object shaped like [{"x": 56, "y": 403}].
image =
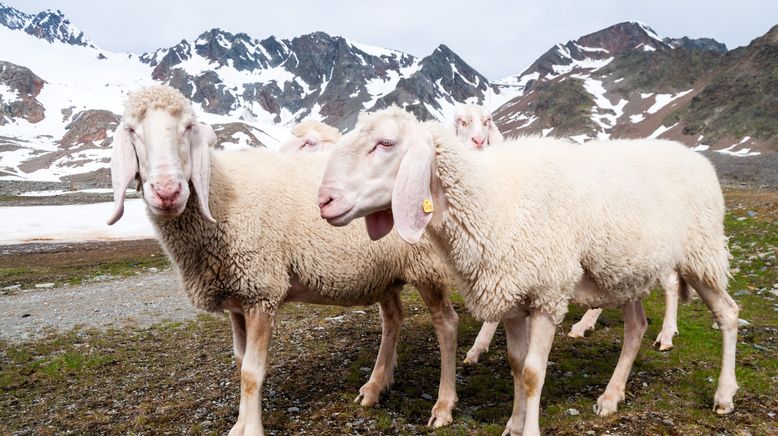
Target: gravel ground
[{"x": 138, "y": 301}]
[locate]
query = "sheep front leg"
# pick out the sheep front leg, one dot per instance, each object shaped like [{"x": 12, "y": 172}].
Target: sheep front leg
[
  {"x": 445, "y": 321},
  {"x": 516, "y": 333},
  {"x": 481, "y": 344},
  {"x": 671, "y": 286},
  {"x": 634, "y": 327},
  {"x": 259, "y": 330},
  {"x": 383, "y": 372},
  {"x": 541, "y": 337},
  {"x": 586, "y": 323}
]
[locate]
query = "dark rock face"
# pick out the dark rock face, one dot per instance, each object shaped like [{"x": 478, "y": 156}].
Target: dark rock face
[
  {"x": 90, "y": 127},
  {"x": 227, "y": 132},
  {"x": 318, "y": 71},
  {"x": 699, "y": 44},
  {"x": 48, "y": 25},
  {"x": 27, "y": 86}
]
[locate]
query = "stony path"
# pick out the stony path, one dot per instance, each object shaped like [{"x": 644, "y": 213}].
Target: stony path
[{"x": 133, "y": 301}]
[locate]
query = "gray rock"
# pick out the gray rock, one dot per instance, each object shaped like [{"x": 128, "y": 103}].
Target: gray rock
[
  {"x": 572, "y": 412},
  {"x": 427, "y": 397},
  {"x": 293, "y": 409}
]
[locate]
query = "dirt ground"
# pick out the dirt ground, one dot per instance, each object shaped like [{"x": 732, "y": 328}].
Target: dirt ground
[{"x": 114, "y": 348}]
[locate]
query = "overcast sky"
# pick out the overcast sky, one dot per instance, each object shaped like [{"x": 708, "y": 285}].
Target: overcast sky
[{"x": 497, "y": 38}]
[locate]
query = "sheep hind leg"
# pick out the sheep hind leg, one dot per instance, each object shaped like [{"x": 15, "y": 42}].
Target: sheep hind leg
[
  {"x": 445, "y": 321},
  {"x": 634, "y": 328},
  {"x": 238, "y": 324},
  {"x": 586, "y": 323},
  {"x": 516, "y": 333},
  {"x": 259, "y": 330},
  {"x": 533, "y": 374},
  {"x": 481, "y": 344},
  {"x": 671, "y": 286},
  {"x": 725, "y": 312},
  {"x": 383, "y": 372}
]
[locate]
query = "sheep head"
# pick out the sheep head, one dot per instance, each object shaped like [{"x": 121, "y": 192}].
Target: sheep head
[
  {"x": 160, "y": 142},
  {"x": 474, "y": 126},
  {"x": 382, "y": 171},
  {"x": 310, "y": 137}
]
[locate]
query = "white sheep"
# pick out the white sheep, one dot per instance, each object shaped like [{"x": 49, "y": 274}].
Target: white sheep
[
  {"x": 529, "y": 230},
  {"x": 310, "y": 136},
  {"x": 474, "y": 126},
  {"x": 250, "y": 240}
]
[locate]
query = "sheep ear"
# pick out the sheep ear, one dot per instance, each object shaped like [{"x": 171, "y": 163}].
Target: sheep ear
[
  {"x": 493, "y": 136},
  {"x": 203, "y": 137},
  {"x": 411, "y": 197},
  {"x": 124, "y": 167}
]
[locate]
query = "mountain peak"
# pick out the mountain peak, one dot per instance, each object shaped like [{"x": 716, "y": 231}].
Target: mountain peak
[{"x": 50, "y": 25}]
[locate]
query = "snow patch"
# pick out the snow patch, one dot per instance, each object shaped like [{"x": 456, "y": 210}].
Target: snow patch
[
  {"x": 73, "y": 223},
  {"x": 662, "y": 129},
  {"x": 662, "y": 100}
]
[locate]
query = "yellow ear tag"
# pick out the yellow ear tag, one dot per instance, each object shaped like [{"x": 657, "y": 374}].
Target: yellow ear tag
[{"x": 426, "y": 206}]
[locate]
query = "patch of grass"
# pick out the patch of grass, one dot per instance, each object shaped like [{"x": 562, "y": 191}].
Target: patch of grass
[
  {"x": 180, "y": 377},
  {"x": 28, "y": 276}
]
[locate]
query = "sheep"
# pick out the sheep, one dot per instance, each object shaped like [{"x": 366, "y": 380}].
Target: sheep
[
  {"x": 310, "y": 136},
  {"x": 529, "y": 230},
  {"x": 474, "y": 126},
  {"x": 249, "y": 241}
]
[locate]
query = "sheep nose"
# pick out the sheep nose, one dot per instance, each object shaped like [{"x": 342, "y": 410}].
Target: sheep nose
[
  {"x": 167, "y": 191},
  {"x": 478, "y": 140},
  {"x": 324, "y": 200}
]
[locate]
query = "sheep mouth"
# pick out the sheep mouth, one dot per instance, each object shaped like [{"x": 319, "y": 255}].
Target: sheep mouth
[
  {"x": 335, "y": 217},
  {"x": 167, "y": 212}
]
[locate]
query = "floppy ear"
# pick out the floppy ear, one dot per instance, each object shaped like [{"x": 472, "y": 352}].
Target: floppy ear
[
  {"x": 203, "y": 137},
  {"x": 411, "y": 197},
  {"x": 494, "y": 136},
  {"x": 124, "y": 167}
]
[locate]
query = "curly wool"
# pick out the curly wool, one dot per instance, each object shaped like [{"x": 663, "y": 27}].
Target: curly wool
[
  {"x": 527, "y": 220},
  {"x": 326, "y": 132},
  {"x": 156, "y": 97}
]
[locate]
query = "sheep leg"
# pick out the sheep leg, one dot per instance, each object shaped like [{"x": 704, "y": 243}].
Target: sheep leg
[
  {"x": 481, "y": 344},
  {"x": 635, "y": 325},
  {"x": 383, "y": 372},
  {"x": 541, "y": 337},
  {"x": 259, "y": 329},
  {"x": 516, "y": 330},
  {"x": 238, "y": 323},
  {"x": 670, "y": 324},
  {"x": 586, "y": 323},
  {"x": 445, "y": 321},
  {"x": 725, "y": 312}
]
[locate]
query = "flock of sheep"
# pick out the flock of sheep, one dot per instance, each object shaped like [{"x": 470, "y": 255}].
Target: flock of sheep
[{"x": 521, "y": 229}]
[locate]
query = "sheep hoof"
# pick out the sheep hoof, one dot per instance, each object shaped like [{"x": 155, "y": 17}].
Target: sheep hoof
[
  {"x": 607, "y": 404},
  {"x": 578, "y": 332},
  {"x": 665, "y": 340},
  {"x": 441, "y": 414},
  {"x": 723, "y": 407},
  {"x": 472, "y": 356},
  {"x": 366, "y": 398}
]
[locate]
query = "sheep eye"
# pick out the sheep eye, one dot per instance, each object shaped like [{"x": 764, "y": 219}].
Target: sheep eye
[
  {"x": 463, "y": 123},
  {"x": 131, "y": 130},
  {"x": 308, "y": 143},
  {"x": 189, "y": 127},
  {"x": 385, "y": 143}
]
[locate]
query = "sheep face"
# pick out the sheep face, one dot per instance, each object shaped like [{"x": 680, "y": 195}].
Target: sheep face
[
  {"x": 166, "y": 152},
  {"x": 384, "y": 163},
  {"x": 311, "y": 137},
  {"x": 473, "y": 125}
]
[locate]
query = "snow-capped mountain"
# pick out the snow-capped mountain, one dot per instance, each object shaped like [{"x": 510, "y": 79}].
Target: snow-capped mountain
[
  {"x": 61, "y": 94},
  {"x": 627, "y": 82}
]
